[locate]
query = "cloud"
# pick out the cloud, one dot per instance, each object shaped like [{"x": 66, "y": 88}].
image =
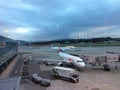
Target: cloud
[
  {"x": 103, "y": 31},
  {"x": 57, "y": 19}
]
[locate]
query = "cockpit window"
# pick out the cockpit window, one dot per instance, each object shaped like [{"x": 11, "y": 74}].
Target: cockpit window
[{"x": 79, "y": 61}]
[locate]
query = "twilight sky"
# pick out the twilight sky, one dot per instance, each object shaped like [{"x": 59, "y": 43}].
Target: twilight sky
[{"x": 34, "y": 20}]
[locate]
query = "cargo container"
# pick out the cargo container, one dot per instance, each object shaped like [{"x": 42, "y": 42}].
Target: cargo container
[{"x": 39, "y": 80}]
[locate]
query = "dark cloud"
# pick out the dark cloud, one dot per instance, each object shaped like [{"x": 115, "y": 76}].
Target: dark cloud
[{"x": 57, "y": 19}]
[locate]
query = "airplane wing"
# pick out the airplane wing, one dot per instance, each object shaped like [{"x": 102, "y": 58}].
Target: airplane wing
[{"x": 50, "y": 60}]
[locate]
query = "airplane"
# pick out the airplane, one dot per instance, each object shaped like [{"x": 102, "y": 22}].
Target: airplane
[
  {"x": 63, "y": 48},
  {"x": 72, "y": 59},
  {"x": 67, "y": 58}
]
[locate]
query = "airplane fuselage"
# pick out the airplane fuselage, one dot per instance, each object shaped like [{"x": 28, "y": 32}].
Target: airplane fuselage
[{"x": 77, "y": 61}]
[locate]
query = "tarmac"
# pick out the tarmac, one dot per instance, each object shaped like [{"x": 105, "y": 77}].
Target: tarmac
[{"x": 90, "y": 78}]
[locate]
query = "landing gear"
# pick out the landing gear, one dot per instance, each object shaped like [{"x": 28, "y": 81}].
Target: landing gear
[
  {"x": 60, "y": 64},
  {"x": 79, "y": 69}
]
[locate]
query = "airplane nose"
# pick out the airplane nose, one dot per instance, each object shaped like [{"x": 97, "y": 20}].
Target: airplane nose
[{"x": 83, "y": 64}]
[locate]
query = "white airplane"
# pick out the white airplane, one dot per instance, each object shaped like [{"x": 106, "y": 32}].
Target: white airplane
[
  {"x": 68, "y": 58},
  {"x": 63, "y": 48},
  {"x": 75, "y": 60}
]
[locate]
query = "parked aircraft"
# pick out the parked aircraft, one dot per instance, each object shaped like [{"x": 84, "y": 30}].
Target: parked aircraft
[
  {"x": 67, "y": 58},
  {"x": 63, "y": 48},
  {"x": 75, "y": 60}
]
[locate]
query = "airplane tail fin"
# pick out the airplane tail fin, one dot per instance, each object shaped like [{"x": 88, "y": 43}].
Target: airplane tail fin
[{"x": 60, "y": 50}]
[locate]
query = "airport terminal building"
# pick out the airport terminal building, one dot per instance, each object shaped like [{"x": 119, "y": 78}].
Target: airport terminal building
[{"x": 8, "y": 50}]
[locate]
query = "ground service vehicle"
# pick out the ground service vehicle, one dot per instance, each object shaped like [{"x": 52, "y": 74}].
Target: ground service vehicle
[
  {"x": 66, "y": 73},
  {"x": 45, "y": 82},
  {"x": 38, "y": 80}
]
